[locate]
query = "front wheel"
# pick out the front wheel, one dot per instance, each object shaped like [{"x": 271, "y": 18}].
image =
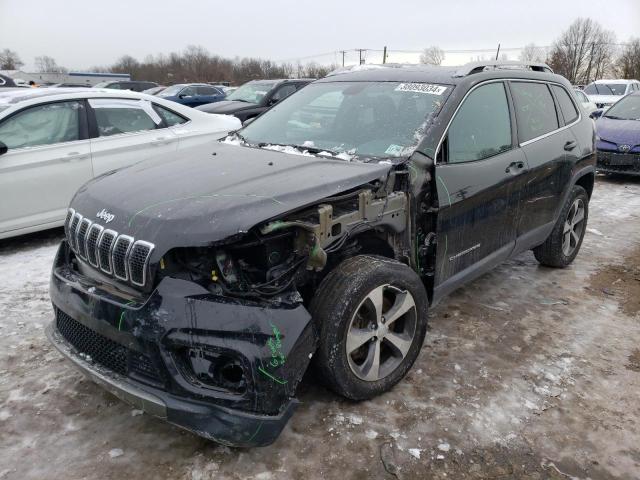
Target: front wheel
[
  {"x": 563, "y": 244},
  {"x": 371, "y": 314}
]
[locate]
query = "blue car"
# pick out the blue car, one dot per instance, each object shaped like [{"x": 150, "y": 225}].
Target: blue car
[
  {"x": 618, "y": 137},
  {"x": 192, "y": 94}
]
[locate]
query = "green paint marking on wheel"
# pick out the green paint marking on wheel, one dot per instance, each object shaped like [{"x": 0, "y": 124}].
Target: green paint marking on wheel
[
  {"x": 275, "y": 379},
  {"x": 445, "y": 189}
]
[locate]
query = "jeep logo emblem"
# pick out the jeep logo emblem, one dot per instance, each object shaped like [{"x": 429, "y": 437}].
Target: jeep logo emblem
[
  {"x": 106, "y": 216},
  {"x": 624, "y": 148}
]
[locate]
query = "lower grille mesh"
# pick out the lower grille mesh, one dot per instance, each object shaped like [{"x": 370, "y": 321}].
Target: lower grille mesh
[{"x": 105, "y": 351}]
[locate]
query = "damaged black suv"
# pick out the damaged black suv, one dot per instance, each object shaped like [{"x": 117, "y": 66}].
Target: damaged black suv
[{"x": 199, "y": 286}]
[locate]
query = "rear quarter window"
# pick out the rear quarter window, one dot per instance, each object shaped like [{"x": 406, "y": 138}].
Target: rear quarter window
[
  {"x": 535, "y": 110},
  {"x": 567, "y": 107}
]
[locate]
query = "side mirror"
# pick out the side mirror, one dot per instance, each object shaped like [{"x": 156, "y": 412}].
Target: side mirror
[
  {"x": 248, "y": 121},
  {"x": 596, "y": 113},
  {"x": 3, "y": 148}
]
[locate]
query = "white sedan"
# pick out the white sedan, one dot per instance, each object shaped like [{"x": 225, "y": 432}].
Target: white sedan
[{"x": 54, "y": 140}]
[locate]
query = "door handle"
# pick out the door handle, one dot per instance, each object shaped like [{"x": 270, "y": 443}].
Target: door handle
[
  {"x": 570, "y": 145},
  {"x": 514, "y": 165},
  {"x": 160, "y": 141},
  {"x": 74, "y": 156}
]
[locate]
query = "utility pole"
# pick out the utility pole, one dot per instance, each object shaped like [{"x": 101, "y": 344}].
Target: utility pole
[
  {"x": 384, "y": 55},
  {"x": 360, "y": 50},
  {"x": 498, "y": 52},
  {"x": 343, "y": 52}
]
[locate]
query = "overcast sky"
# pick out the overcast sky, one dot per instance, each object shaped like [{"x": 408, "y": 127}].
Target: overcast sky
[{"x": 79, "y": 34}]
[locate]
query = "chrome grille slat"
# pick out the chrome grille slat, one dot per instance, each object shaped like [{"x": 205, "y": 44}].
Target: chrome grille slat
[
  {"x": 92, "y": 244},
  {"x": 105, "y": 244},
  {"x": 73, "y": 239},
  {"x": 83, "y": 229},
  {"x": 138, "y": 262},
  {"x": 118, "y": 255},
  {"x": 119, "y": 252}
]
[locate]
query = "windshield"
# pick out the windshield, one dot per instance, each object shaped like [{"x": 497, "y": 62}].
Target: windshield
[
  {"x": 171, "y": 91},
  {"x": 606, "y": 89},
  {"x": 626, "y": 109},
  {"x": 362, "y": 119},
  {"x": 251, "y": 92}
]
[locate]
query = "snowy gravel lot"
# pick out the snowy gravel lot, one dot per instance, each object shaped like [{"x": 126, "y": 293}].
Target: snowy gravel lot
[{"x": 527, "y": 372}]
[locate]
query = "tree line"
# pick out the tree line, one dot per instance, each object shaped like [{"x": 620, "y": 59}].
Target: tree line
[{"x": 583, "y": 53}]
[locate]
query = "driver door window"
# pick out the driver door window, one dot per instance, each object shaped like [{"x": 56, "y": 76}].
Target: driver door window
[
  {"x": 42, "y": 125},
  {"x": 481, "y": 127},
  {"x": 283, "y": 92}
]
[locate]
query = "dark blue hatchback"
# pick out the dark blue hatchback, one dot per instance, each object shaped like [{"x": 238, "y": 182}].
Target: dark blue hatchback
[
  {"x": 192, "y": 94},
  {"x": 618, "y": 137}
]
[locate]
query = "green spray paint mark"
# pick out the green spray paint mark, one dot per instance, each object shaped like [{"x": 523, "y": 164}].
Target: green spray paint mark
[
  {"x": 445, "y": 189},
  {"x": 255, "y": 433},
  {"x": 275, "y": 379},
  {"x": 122, "y": 314},
  {"x": 275, "y": 347},
  {"x": 196, "y": 197}
]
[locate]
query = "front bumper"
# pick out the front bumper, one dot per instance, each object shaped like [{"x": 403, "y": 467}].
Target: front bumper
[
  {"x": 134, "y": 348},
  {"x": 615, "y": 162}
]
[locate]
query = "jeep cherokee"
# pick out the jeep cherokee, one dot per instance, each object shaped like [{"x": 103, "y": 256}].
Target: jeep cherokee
[{"x": 199, "y": 286}]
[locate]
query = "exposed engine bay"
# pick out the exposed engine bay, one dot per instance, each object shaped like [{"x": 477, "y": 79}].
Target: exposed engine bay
[{"x": 276, "y": 256}]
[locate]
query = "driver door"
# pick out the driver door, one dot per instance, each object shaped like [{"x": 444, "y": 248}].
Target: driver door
[{"x": 479, "y": 171}]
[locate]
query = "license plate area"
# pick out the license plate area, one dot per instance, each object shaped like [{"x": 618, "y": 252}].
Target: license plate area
[{"x": 623, "y": 159}]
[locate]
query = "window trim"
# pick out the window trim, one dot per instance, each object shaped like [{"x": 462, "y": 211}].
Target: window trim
[
  {"x": 83, "y": 123},
  {"x": 186, "y": 122},
  {"x": 519, "y": 145}
]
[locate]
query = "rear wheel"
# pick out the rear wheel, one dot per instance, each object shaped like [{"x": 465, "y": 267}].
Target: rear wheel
[
  {"x": 563, "y": 244},
  {"x": 372, "y": 317}
]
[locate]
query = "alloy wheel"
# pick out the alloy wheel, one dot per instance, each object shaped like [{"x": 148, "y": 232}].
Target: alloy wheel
[
  {"x": 573, "y": 227},
  {"x": 381, "y": 332}
]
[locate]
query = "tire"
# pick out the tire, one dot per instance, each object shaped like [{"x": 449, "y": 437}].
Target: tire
[
  {"x": 555, "y": 251},
  {"x": 344, "y": 312}
]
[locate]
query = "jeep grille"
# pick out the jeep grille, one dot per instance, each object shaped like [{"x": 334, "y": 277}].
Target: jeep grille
[{"x": 121, "y": 256}]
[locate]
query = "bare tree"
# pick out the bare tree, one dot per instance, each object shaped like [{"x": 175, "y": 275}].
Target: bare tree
[
  {"x": 583, "y": 52},
  {"x": 628, "y": 63},
  {"x": 532, "y": 53},
  {"x": 46, "y": 64},
  {"x": 432, "y": 55},
  {"x": 9, "y": 60}
]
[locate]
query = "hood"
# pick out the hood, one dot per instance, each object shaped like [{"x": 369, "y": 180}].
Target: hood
[
  {"x": 202, "y": 195},
  {"x": 608, "y": 99},
  {"x": 227, "y": 107},
  {"x": 614, "y": 132}
]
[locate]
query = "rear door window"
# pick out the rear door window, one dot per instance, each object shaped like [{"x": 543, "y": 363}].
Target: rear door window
[
  {"x": 535, "y": 110},
  {"x": 567, "y": 107},
  {"x": 115, "y": 116},
  {"x": 481, "y": 127},
  {"x": 42, "y": 125}
]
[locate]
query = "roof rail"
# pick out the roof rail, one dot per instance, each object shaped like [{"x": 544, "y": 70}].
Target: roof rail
[{"x": 486, "y": 65}]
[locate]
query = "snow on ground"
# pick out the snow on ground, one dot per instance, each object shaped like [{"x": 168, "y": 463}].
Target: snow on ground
[{"x": 527, "y": 372}]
